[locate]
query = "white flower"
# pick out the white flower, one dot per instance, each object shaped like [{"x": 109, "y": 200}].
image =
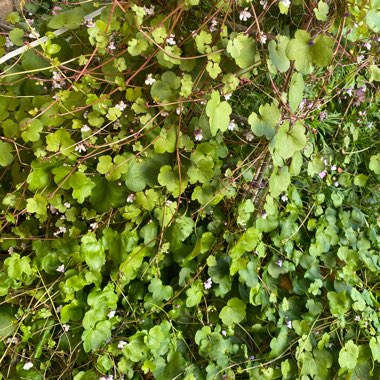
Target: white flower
[
  {"x": 85, "y": 128},
  {"x": 61, "y": 230},
  {"x": 357, "y": 318},
  {"x": 244, "y": 15},
  {"x": 263, "y": 3},
  {"x": 286, "y": 3},
  {"x": 121, "y": 105},
  {"x": 67, "y": 204},
  {"x": 121, "y": 344},
  {"x": 13, "y": 340},
  {"x": 279, "y": 263},
  {"x": 65, "y": 327},
  {"x": 333, "y": 167},
  {"x": 170, "y": 40},
  {"x": 59, "y": 308},
  {"x": 58, "y": 80},
  {"x": 232, "y": 125},
  {"x": 149, "y": 80},
  {"x": 198, "y": 135},
  {"x": 224, "y": 333},
  {"x": 284, "y": 198},
  {"x": 264, "y": 215},
  {"x": 289, "y": 324},
  {"x": 131, "y": 198},
  {"x": 111, "y": 45},
  {"x": 94, "y": 226},
  {"x": 80, "y": 147},
  {"x": 61, "y": 268},
  {"x": 111, "y": 314},
  {"x": 360, "y": 58},
  {"x": 249, "y": 136},
  {"x": 8, "y": 42},
  {"x": 179, "y": 110},
  {"x": 27, "y": 366},
  {"x": 336, "y": 183},
  {"x": 367, "y": 45},
  {"x": 322, "y": 174},
  {"x": 34, "y": 34},
  {"x": 227, "y": 96},
  {"x": 207, "y": 284},
  {"x": 194, "y": 33},
  {"x": 262, "y": 38}
]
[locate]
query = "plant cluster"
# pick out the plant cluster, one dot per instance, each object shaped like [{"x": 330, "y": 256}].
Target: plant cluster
[{"x": 190, "y": 190}]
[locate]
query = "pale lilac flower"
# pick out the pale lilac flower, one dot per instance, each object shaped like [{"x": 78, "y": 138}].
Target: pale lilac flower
[
  {"x": 249, "y": 136},
  {"x": 149, "y": 80},
  {"x": 170, "y": 40},
  {"x": 89, "y": 23},
  {"x": 360, "y": 58},
  {"x": 8, "y": 42},
  {"x": 232, "y": 125},
  {"x": 244, "y": 15},
  {"x": 80, "y": 147},
  {"x": 56, "y": 10},
  {"x": 207, "y": 284},
  {"x": 121, "y": 105},
  {"x": 131, "y": 198},
  {"x": 198, "y": 135},
  {"x": 289, "y": 324},
  {"x": 213, "y": 23},
  {"x": 322, "y": 174},
  {"x": 65, "y": 327},
  {"x": 279, "y": 263},
  {"x": 121, "y": 344},
  {"x": 252, "y": 357},
  {"x": 58, "y": 80},
  {"x": 286, "y": 3},
  {"x": 111, "y": 46},
  {"x": 28, "y": 365},
  {"x": 85, "y": 128},
  {"x": 367, "y": 45},
  {"x": 61, "y": 268},
  {"x": 111, "y": 314},
  {"x": 149, "y": 11},
  {"x": 262, "y": 38},
  {"x": 30, "y": 21}
]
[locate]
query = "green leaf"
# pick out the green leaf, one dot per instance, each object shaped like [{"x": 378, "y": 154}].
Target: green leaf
[
  {"x": 218, "y": 113},
  {"x": 194, "y": 294},
  {"x": 374, "y": 163},
  {"x": 290, "y": 140},
  {"x": 321, "y": 52},
  {"x": 374, "y": 73},
  {"x": 243, "y": 49},
  {"x": 60, "y": 141},
  {"x": 348, "y": 355},
  {"x": 277, "y": 53},
  {"x": 374, "y": 344},
  {"x": 16, "y": 35},
  {"x": 6, "y": 156},
  {"x": 160, "y": 292},
  {"x": 373, "y": 19},
  {"x": 165, "y": 89},
  {"x": 264, "y": 125},
  {"x": 296, "y": 91},
  {"x": 339, "y": 303},
  {"x": 298, "y": 50},
  {"x": 93, "y": 252},
  {"x": 7, "y": 324},
  {"x": 279, "y": 343},
  {"x": 233, "y": 312},
  {"x": 279, "y": 181},
  {"x": 94, "y": 338},
  {"x": 37, "y": 179},
  {"x": 37, "y": 205},
  {"x": 322, "y": 11},
  {"x": 167, "y": 141},
  {"x": 169, "y": 177},
  {"x": 31, "y": 129}
]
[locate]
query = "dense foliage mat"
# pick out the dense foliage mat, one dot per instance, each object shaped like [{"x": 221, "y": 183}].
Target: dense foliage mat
[{"x": 190, "y": 190}]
